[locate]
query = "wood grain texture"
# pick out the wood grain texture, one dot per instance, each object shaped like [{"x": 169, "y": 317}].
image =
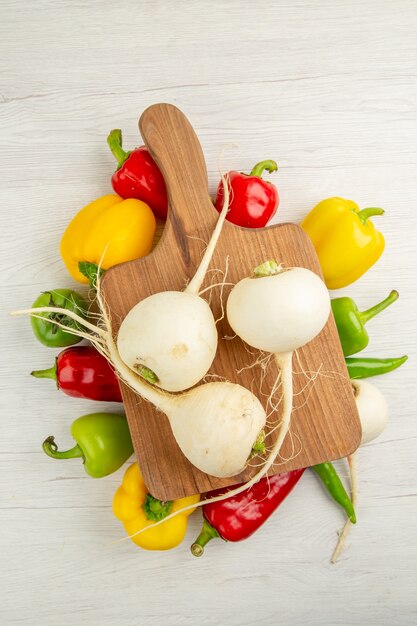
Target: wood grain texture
[
  {"x": 326, "y": 88},
  {"x": 325, "y": 425}
]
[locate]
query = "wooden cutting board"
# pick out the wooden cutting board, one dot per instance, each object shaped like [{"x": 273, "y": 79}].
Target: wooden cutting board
[{"x": 325, "y": 423}]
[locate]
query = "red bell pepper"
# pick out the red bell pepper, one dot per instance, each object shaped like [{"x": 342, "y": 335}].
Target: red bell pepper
[
  {"x": 238, "y": 517},
  {"x": 138, "y": 176},
  {"x": 253, "y": 201},
  {"x": 82, "y": 372}
]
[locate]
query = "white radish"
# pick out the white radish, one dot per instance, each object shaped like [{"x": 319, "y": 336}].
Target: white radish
[
  {"x": 216, "y": 425},
  {"x": 372, "y": 409},
  {"x": 278, "y": 311},
  {"x": 170, "y": 338}
]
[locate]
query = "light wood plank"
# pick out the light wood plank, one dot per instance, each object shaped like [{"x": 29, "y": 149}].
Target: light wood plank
[{"x": 327, "y": 88}]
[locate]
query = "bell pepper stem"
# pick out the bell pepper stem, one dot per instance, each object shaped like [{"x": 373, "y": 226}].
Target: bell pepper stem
[
  {"x": 365, "y": 214},
  {"x": 48, "y": 373},
  {"x": 259, "y": 168},
  {"x": 207, "y": 534},
  {"x": 115, "y": 144},
  {"x": 51, "y": 449},
  {"x": 155, "y": 509},
  {"x": 91, "y": 271},
  {"x": 377, "y": 308}
]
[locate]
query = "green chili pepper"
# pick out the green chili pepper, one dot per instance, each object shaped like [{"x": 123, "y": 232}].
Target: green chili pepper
[
  {"x": 330, "y": 479},
  {"x": 50, "y": 334},
  {"x": 351, "y": 322},
  {"x": 367, "y": 367},
  {"x": 103, "y": 443}
]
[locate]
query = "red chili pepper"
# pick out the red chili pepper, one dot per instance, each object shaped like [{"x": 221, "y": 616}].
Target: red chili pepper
[
  {"x": 253, "y": 201},
  {"x": 82, "y": 372},
  {"x": 138, "y": 176},
  {"x": 238, "y": 517}
]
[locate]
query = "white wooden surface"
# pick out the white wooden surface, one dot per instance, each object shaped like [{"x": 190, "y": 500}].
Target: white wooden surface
[{"x": 327, "y": 88}]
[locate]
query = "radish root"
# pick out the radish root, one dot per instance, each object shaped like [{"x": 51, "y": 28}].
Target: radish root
[
  {"x": 195, "y": 283},
  {"x": 354, "y": 496}
]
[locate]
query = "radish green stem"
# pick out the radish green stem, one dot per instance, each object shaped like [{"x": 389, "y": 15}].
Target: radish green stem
[
  {"x": 354, "y": 496},
  {"x": 269, "y": 268}
]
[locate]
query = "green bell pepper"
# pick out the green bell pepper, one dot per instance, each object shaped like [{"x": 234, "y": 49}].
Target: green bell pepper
[
  {"x": 351, "y": 322},
  {"x": 50, "y": 334},
  {"x": 103, "y": 443}
]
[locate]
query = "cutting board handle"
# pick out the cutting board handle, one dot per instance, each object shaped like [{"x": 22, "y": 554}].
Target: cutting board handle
[{"x": 173, "y": 144}]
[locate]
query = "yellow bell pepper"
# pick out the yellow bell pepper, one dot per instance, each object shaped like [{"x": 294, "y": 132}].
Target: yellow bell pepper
[
  {"x": 346, "y": 242},
  {"x": 109, "y": 231},
  {"x": 136, "y": 508}
]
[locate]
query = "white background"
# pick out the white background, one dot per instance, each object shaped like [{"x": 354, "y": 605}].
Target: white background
[{"x": 329, "y": 90}]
